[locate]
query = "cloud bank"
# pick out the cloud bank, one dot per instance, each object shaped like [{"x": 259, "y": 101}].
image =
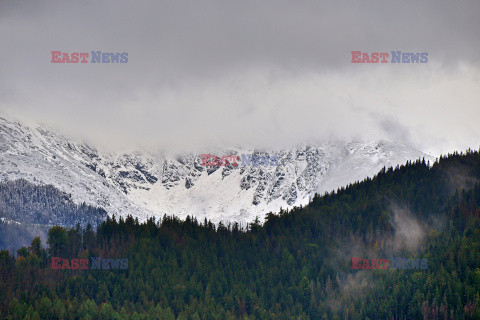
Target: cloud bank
[{"x": 272, "y": 73}]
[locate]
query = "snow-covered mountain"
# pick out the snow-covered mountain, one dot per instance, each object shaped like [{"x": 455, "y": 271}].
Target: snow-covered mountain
[{"x": 147, "y": 183}]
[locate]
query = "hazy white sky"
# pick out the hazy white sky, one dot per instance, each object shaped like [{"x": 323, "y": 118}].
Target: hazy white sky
[{"x": 245, "y": 72}]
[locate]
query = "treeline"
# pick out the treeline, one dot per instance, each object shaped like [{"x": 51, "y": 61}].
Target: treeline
[{"x": 296, "y": 265}]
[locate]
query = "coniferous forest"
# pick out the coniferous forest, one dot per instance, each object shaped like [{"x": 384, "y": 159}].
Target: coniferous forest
[
  {"x": 28, "y": 209},
  {"x": 296, "y": 264}
]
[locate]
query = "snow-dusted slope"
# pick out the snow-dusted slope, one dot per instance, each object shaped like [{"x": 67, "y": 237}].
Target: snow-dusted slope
[
  {"x": 148, "y": 183},
  {"x": 44, "y": 157}
]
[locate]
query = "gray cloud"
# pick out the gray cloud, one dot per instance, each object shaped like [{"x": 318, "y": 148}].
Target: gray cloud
[{"x": 254, "y": 72}]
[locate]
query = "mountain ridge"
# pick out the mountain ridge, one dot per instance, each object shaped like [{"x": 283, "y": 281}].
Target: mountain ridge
[{"x": 144, "y": 183}]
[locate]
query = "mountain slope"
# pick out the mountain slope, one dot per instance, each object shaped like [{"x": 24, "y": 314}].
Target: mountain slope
[
  {"x": 297, "y": 265},
  {"x": 28, "y": 210},
  {"x": 145, "y": 183}
]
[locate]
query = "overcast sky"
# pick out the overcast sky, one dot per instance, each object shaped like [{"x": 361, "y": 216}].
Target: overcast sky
[{"x": 272, "y": 73}]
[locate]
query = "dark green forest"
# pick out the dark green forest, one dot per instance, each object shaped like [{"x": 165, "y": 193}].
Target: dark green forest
[{"x": 294, "y": 265}]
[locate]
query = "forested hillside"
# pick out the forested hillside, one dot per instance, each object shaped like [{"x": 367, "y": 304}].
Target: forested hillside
[
  {"x": 28, "y": 209},
  {"x": 296, "y": 265}
]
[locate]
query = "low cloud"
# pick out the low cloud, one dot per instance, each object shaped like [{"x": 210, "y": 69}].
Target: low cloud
[
  {"x": 409, "y": 232},
  {"x": 251, "y": 73}
]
